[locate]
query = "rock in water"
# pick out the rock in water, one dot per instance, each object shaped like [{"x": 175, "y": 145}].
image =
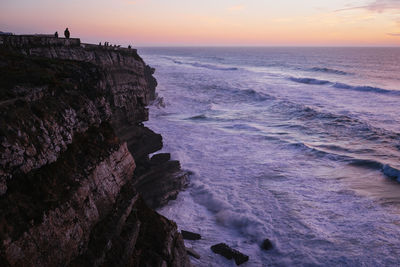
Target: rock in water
[
  {"x": 266, "y": 245},
  {"x": 190, "y": 235},
  {"x": 160, "y": 158},
  {"x": 230, "y": 253},
  {"x": 192, "y": 253}
]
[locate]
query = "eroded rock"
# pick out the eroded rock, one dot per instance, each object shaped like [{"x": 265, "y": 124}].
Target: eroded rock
[
  {"x": 229, "y": 253},
  {"x": 190, "y": 235},
  {"x": 193, "y": 253}
]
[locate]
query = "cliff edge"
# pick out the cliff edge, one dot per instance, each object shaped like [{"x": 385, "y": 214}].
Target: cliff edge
[{"x": 76, "y": 180}]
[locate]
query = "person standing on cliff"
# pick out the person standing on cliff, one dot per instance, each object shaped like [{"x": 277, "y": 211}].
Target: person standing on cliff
[
  {"x": 56, "y": 34},
  {"x": 66, "y": 33}
]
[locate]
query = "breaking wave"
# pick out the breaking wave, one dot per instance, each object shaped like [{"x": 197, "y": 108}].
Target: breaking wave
[
  {"x": 309, "y": 81},
  {"x": 202, "y": 65},
  {"x": 227, "y": 215},
  {"x": 365, "y": 89},
  {"x": 198, "y": 117},
  {"x": 391, "y": 172},
  {"x": 331, "y": 71},
  {"x": 228, "y": 93},
  {"x": 338, "y": 85},
  {"x": 386, "y": 169}
]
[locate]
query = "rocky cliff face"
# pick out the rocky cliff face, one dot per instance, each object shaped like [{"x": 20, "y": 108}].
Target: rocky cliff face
[{"x": 75, "y": 172}]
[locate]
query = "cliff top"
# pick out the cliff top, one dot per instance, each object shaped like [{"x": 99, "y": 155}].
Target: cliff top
[{"x": 46, "y": 41}]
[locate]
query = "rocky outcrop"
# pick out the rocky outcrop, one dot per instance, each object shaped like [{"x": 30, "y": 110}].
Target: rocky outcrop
[
  {"x": 157, "y": 179},
  {"x": 190, "y": 235},
  {"x": 229, "y": 253},
  {"x": 75, "y": 172}
]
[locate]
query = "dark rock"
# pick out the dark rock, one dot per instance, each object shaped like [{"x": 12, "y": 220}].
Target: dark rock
[
  {"x": 151, "y": 81},
  {"x": 160, "y": 183},
  {"x": 229, "y": 253},
  {"x": 190, "y": 235},
  {"x": 63, "y": 197},
  {"x": 192, "y": 253},
  {"x": 159, "y": 243},
  {"x": 141, "y": 140},
  {"x": 266, "y": 244},
  {"x": 160, "y": 158}
]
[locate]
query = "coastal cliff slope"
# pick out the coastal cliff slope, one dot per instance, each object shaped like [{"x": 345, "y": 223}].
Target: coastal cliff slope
[{"x": 76, "y": 179}]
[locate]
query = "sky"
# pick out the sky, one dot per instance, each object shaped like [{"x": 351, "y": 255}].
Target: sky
[{"x": 210, "y": 22}]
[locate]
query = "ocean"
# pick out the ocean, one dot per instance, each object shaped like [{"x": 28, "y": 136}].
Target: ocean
[{"x": 297, "y": 145}]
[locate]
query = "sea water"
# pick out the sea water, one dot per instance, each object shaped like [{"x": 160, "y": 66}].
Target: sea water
[{"x": 297, "y": 145}]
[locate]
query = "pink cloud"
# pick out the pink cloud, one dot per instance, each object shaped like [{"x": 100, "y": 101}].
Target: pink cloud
[{"x": 377, "y": 6}]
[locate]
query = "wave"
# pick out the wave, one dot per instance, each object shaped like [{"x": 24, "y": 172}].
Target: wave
[
  {"x": 227, "y": 215},
  {"x": 242, "y": 127},
  {"x": 391, "y": 172},
  {"x": 338, "y": 85},
  {"x": 309, "y": 120},
  {"x": 212, "y": 67},
  {"x": 365, "y": 89},
  {"x": 309, "y": 81},
  {"x": 204, "y": 118},
  {"x": 365, "y": 163},
  {"x": 227, "y": 93},
  {"x": 332, "y": 126},
  {"x": 254, "y": 94},
  {"x": 331, "y": 71},
  {"x": 198, "y": 117},
  {"x": 318, "y": 152},
  {"x": 203, "y": 65},
  {"x": 386, "y": 169}
]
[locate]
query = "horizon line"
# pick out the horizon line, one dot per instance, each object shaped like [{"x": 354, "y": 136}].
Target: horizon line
[{"x": 261, "y": 46}]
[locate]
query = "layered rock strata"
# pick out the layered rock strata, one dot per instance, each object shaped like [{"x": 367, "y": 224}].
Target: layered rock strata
[{"x": 75, "y": 174}]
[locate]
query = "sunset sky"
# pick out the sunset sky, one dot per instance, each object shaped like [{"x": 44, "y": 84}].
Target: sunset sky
[{"x": 210, "y": 22}]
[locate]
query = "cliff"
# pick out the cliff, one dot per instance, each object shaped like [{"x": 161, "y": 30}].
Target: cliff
[{"x": 76, "y": 179}]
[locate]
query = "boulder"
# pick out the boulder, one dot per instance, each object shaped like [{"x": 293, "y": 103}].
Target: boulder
[
  {"x": 266, "y": 244},
  {"x": 190, "y": 235},
  {"x": 192, "y": 253},
  {"x": 229, "y": 253}
]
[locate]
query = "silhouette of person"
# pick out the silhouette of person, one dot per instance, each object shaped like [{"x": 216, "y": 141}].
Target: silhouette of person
[
  {"x": 56, "y": 34},
  {"x": 66, "y": 33}
]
